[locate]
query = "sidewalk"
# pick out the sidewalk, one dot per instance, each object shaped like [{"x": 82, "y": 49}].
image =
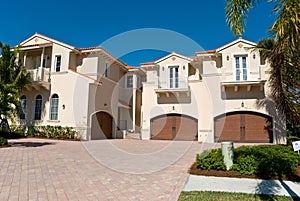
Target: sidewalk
[{"x": 242, "y": 185}]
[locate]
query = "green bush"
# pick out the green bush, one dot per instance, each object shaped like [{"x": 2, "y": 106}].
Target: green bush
[
  {"x": 15, "y": 132},
  {"x": 56, "y": 132},
  {"x": 212, "y": 159},
  {"x": 3, "y": 141},
  {"x": 265, "y": 160},
  {"x": 245, "y": 165}
]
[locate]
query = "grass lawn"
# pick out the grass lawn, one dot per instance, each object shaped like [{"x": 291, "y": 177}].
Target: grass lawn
[{"x": 225, "y": 196}]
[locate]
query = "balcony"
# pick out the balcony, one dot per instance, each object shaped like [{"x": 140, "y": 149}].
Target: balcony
[
  {"x": 178, "y": 87},
  {"x": 40, "y": 78}
]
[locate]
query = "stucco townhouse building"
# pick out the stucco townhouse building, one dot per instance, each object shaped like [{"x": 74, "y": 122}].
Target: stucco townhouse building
[
  {"x": 213, "y": 96},
  {"x": 216, "y": 95},
  {"x": 84, "y": 88}
]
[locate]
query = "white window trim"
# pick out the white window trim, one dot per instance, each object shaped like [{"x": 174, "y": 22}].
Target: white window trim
[
  {"x": 132, "y": 81},
  {"x": 240, "y": 54},
  {"x": 55, "y": 62},
  {"x": 179, "y": 73}
]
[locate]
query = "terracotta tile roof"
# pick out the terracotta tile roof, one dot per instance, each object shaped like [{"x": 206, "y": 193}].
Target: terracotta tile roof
[
  {"x": 33, "y": 45},
  {"x": 148, "y": 63},
  {"x": 89, "y": 48},
  {"x": 206, "y": 52},
  {"x": 130, "y": 67}
]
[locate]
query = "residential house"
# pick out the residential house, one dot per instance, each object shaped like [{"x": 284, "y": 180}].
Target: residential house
[
  {"x": 84, "y": 88},
  {"x": 217, "y": 95}
]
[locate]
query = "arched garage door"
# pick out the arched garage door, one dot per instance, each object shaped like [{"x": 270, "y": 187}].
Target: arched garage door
[
  {"x": 243, "y": 127},
  {"x": 101, "y": 126},
  {"x": 173, "y": 127}
]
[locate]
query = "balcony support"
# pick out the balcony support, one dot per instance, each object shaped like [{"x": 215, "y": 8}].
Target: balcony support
[{"x": 42, "y": 57}]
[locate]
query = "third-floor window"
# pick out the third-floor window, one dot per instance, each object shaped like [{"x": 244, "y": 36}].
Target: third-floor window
[
  {"x": 57, "y": 63},
  {"x": 174, "y": 76},
  {"x": 241, "y": 69}
]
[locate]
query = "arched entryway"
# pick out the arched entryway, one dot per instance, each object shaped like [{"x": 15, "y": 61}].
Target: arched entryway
[
  {"x": 174, "y": 127},
  {"x": 243, "y": 126},
  {"x": 102, "y": 126}
]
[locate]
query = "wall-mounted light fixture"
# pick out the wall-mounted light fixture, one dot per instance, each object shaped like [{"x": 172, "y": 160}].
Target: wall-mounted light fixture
[
  {"x": 173, "y": 107},
  {"x": 105, "y": 104},
  {"x": 254, "y": 56},
  {"x": 183, "y": 67},
  {"x": 163, "y": 68},
  {"x": 63, "y": 106},
  {"x": 227, "y": 58},
  {"x": 242, "y": 104}
]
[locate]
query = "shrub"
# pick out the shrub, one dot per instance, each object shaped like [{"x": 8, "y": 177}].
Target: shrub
[
  {"x": 16, "y": 132},
  {"x": 56, "y": 132},
  {"x": 3, "y": 141},
  {"x": 245, "y": 165},
  {"x": 265, "y": 160},
  {"x": 212, "y": 159}
]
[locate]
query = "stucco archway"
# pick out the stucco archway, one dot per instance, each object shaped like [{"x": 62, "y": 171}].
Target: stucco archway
[{"x": 102, "y": 126}]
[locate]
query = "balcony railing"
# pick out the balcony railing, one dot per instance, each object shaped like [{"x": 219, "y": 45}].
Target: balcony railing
[
  {"x": 40, "y": 74},
  {"x": 177, "y": 84}
]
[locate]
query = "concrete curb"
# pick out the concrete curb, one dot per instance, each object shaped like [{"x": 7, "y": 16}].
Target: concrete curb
[{"x": 242, "y": 185}]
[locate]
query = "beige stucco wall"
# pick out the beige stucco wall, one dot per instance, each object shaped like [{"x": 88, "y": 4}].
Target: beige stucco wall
[
  {"x": 207, "y": 99},
  {"x": 64, "y": 53}
]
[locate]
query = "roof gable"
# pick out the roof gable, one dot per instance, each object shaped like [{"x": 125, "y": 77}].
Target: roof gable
[
  {"x": 39, "y": 39},
  {"x": 239, "y": 40},
  {"x": 173, "y": 54}
]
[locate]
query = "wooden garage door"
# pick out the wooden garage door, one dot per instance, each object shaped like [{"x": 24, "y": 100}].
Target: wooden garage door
[
  {"x": 174, "y": 127},
  {"x": 243, "y": 127}
]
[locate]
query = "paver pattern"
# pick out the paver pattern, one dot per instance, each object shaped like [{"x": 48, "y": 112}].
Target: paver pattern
[{"x": 40, "y": 169}]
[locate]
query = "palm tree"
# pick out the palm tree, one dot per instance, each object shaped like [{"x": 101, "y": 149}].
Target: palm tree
[
  {"x": 13, "y": 78},
  {"x": 281, "y": 49}
]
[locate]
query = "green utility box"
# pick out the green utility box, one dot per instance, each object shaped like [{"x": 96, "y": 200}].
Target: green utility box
[{"x": 227, "y": 152}]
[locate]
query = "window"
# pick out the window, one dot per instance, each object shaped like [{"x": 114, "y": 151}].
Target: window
[
  {"x": 129, "y": 81},
  {"x": 38, "y": 107},
  {"x": 173, "y": 77},
  {"x": 57, "y": 63},
  {"x": 241, "y": 67},
  {"x": 23, "y": 105},
  {"x": 54, "y": 107},
  {"x": 106, "y": 70}
]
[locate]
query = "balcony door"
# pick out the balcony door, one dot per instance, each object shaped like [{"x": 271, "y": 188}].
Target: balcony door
[
  {"x": 241, "y": 67},
  {"x": 174, "y": 76}
]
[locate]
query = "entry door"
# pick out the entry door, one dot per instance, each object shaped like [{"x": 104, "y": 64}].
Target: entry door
[
  {"x": 173, "y": 77},
  {"x": 241, "y": 68}
]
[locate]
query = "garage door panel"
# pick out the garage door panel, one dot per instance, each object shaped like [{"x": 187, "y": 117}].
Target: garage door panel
[
  {"x": 258, "y": 129},
  {"x": 173, "y": 127},
  {"x": 243, "y": 127},
  {"x": 227, "y": 127},
  {"x": 186, "y": 129}
]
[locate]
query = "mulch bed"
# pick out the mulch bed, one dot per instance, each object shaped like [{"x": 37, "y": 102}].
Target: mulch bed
[{"x": 219, "y": 173}]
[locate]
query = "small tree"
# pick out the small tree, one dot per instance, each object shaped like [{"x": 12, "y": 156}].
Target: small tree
[{"x": 13, "y": 78}]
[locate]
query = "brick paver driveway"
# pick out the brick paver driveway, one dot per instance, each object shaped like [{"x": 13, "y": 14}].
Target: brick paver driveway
[{"x": 37, "y": 169}]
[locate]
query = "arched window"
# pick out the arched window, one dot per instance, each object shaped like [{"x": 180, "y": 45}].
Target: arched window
[
  {"x": 23, "y": 105},
  {"x": 38, "y": 107},
  {"x": 54, "y": 107}
]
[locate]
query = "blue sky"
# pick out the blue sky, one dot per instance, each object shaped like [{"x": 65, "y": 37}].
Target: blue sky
[{"x": 90, "y": 23}]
